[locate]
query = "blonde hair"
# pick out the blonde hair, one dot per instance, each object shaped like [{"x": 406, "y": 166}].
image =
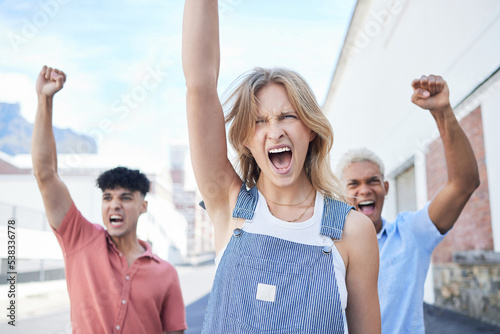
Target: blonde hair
[
  {"x": 242, "y": 108},
  {"x": 359, "y": 155}
]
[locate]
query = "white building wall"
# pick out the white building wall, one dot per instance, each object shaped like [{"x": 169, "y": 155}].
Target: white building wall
[
  {"x": 392, "y": 42},
  {"x": 165, "y": 228},
  {"x": 21, "y": 191},
  {"x": 372, "y": 91}
]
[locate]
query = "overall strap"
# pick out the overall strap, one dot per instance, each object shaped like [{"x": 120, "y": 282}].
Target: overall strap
[
  {"x": 246, "y": 203},
  {"x": 334, "y": 214}
]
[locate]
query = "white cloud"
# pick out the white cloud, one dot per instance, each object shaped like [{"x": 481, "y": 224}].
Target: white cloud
[
  {"x": 108, "y": 57},
  {"x": 19, "y": 88}
]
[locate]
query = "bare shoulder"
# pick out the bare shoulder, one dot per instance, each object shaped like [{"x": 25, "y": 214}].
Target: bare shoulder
[
  {"x": 358, "y": 238},
  {"x": 357, "y": 225}
]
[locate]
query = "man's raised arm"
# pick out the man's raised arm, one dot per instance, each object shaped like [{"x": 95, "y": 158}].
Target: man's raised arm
[
  {"x": 56, "y": 197},
  {"x": 432, "y": 93}
]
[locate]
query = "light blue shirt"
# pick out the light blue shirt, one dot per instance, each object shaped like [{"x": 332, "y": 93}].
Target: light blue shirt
[{"x": 405, "y": 249}]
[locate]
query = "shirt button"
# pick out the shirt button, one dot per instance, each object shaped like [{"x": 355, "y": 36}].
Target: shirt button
[
  {"x": 124, "y": 301},
  {"x": 127, "y": 277},
  {"x": 120, "y": 255},
  {"x": 117, "y": 327}
]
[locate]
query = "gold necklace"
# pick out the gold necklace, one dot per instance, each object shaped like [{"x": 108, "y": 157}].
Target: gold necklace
[
  {"x": 303, "y": 213},
  {"x": 268, "y": 200}
]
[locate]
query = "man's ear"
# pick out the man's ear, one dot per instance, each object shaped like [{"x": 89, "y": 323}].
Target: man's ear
[
  {"x": 386, "y": 187},
  {"x": 144, "y": 207}
]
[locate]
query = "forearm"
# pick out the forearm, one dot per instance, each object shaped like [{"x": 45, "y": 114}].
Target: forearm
[
  {"x": 206, "y": 126},
  {"x": 55, "y": 195},
  {"x": 463, "y": 176},
  {"x": 200, "y": 43},
  {"x": 460, "y": 159},
  {"x": 43, "y": 147}
]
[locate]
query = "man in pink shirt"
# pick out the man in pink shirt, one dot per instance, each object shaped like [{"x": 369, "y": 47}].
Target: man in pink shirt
[{"x": 115, "y": 283}]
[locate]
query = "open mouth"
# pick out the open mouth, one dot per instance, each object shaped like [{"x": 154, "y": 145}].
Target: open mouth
[
  {"x": 366, "y": 207},
  {"x": 281, "y": 158},
  {"x": 116, "y": 220}
]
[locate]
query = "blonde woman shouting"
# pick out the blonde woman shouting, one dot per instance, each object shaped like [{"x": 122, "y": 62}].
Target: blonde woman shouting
[{"x": 292, "y": 256}]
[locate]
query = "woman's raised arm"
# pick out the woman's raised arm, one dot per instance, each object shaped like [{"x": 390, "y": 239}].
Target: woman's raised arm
[{"x": 214, "y": 173}]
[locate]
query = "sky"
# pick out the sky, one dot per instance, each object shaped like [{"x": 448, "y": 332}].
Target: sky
[{"x": 125, "y": 86}]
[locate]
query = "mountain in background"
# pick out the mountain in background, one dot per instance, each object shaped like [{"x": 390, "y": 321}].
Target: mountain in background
[{"x": 15, "y": 134}]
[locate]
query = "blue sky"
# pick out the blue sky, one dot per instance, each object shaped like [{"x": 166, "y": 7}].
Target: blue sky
[{"x": 125, "y": 85}]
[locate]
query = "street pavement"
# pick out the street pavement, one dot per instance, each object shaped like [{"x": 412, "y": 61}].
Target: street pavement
[
  {"x": 43, "y": 307},
  {"x": 442, "y": 321}
]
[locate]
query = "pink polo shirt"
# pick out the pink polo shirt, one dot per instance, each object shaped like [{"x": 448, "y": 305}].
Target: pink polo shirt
[{"x": 108, "y": 296}]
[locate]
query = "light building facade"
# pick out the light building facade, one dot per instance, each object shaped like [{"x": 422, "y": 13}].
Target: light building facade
[{"x": 388, "y": 44}]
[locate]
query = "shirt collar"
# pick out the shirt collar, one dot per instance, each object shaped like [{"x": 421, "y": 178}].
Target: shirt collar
[
  {"x": 147, "y": 253},
  {"x": 383, "y": 230}
]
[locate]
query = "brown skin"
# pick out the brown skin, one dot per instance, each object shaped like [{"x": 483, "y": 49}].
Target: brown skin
[
  {"x": 56, "y": 197},
  {"x": 430, "y": 93},
  {"x": 55, "y": 194},
  {"x": 128, "y": 205},
  {"x": 364, "y": 182}
]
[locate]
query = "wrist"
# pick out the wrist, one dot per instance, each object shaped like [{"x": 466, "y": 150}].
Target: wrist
[
  {"x": 444, "y": 117},
  {"x": 441, "y": 111},
  {"x": 45, "y": 104},
  {"x": 45, "y": 99}
]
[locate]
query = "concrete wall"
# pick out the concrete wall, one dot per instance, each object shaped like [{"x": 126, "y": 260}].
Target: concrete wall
[{"x": 470, "y": 285}]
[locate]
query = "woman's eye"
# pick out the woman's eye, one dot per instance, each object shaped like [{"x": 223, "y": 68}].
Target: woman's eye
[{"x": 289, "y": 117}]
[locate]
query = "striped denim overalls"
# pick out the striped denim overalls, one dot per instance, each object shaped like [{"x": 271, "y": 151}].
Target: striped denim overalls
[{"x": 269, "y": 285}]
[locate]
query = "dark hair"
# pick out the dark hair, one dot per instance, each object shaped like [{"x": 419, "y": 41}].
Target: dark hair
[{"x": 130, "y": 179}]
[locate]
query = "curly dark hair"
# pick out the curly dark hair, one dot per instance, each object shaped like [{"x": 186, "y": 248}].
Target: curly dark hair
[{"x": 130, "y": 179}]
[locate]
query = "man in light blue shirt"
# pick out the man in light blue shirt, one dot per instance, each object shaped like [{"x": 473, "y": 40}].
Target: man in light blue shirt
[{"x": 407, "y": 243}]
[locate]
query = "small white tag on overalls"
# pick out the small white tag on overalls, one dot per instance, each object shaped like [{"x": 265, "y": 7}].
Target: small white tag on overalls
[{"x": 266, "y": 292}]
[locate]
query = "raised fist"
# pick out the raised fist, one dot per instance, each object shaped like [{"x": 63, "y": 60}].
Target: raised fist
[
  {"x": 431, "y": 93},
  {"x": 50, "y": 81}
]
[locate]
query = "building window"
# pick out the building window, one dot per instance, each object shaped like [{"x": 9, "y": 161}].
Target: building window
[{"x": 406, "y": 194}]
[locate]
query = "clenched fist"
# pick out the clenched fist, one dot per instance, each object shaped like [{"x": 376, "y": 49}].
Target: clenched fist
[
  {"x": 431, "y": 93},
  {"x": 50, "y": 81}
]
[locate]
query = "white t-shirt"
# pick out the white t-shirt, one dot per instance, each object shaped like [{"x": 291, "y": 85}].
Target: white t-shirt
[{"x": 306, "y": 232}]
